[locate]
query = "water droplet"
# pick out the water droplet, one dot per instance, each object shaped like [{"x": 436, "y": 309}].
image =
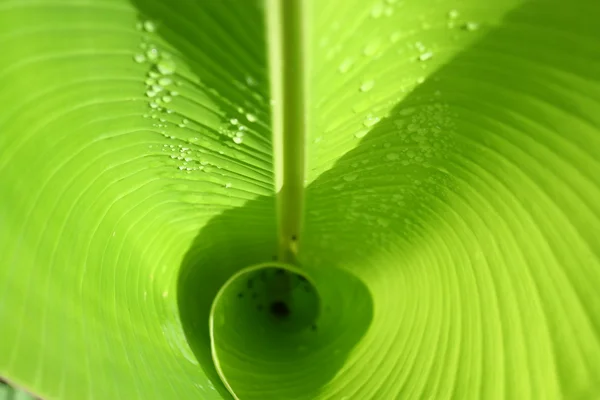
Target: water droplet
[
  {"x": 234, "y": 121},
  {"x": 377, "y": 10},
  {"x": 165, "y": 81},
  {"x": 150, "y": 81},
  {"x": 228, "y": 185},
  {"x": 394, "y": 37},
  {"x": 425, "y": 56},
  {"x": 139, "y": 58},
  {"x": 152, "y": 54},
  {"x": 351, "y": 177},
  {"x": 153, "y": 104},
  {"x": 167, "y": 99},
  {"x": 166, "y": 66},
  {"x": 361, "y": 134},
  {"x": 251, "y": 117},
  {"x": 174, "y": 93},
  {"x": 392, "y": 156},
  {"x": 238, "y": 140},
  {"x": 471, "y": 26},
  {"x": 157, "y": 88},
  {"x": 420, "y": 79},
  {"x": 370, "y": 120},
  {"x": 367, "y": 85},
  {"x": 453, "y": 14},
  {"x": 345, "y": 65},
  {"x": 407, "y": 111},
  {"x": 250, "y": 81},
  {"x": 383, "y": 222},
  {"x": 150, "y": 93},
  {"x": 153, "y": 74},
  {"x": 149, "y": 26},
  {"x": 371, "y": 48}
]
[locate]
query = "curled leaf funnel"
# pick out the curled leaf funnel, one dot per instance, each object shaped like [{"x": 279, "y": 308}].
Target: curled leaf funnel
[{"x": 339, "y": 199}]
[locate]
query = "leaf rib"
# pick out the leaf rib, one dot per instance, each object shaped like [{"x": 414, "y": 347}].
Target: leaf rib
[{"x": 286, "y": 29}]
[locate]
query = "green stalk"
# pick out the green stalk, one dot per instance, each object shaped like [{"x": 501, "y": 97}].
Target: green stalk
[{"x": 287, "y": 50}]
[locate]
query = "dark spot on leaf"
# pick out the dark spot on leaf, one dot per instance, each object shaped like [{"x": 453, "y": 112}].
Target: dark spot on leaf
[
  {"x": 280, "y": 309},
  {"x": 294, "y": 237},
  {"x": 254, "y": 295},
  {"x": 313, "y": 327},
  {"x": 240, "y": 295},
  {"x": 303, "y": 279},
  {"x": 250, "y": 283},
  {"x": 280, "y": 271}
]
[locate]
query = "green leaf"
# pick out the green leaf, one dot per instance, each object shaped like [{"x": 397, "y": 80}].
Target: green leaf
[{"x": 446, "y": 240}]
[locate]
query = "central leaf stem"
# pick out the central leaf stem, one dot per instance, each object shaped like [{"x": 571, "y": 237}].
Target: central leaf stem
[{"x": 287, "y": 58}]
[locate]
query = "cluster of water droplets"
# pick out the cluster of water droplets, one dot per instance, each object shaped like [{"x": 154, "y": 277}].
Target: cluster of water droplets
[
  {"x": 426, "y": 132},
  {"x": 236, "y": 127},
  {"x": 384, "y": 8},
  {"x": 454, "y": 21},
  {"x": 160, "y": 80},
  {"x": 415, "y": 143}
]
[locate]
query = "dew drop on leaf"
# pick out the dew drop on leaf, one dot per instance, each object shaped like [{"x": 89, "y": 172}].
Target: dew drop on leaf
[
  {"x": 250, "y": 81},
  {"x": 371, "y": 48},
  {"x": 425, "y": 56},
  {"x": 345, "y": 65},
  {"x": 167, "y": 99},
  {"x": 407, "y": 111},
  {"x": 471, "y": 26},
  {"x": 377, "y": 10},
  {"x": 238, "y": 140},
  {"x": 361, "y": 134},
  {"x": 165, "y": 81},
  {"x": 139, "y": 58},
  {"x": 392, "y": 156},
  {"x": 367, "y": 85},
  {"x": 351, "y": 177},
  {"x": 251, "y": 117},
  {"x": 149, "y": 26},
  {"x": 370, "y": 120},
  {"x": 166, "y": 66},
  {"x": 152, "y": 54}
]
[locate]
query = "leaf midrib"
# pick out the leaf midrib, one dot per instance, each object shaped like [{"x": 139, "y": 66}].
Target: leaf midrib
[{"x": 286, "y": 36}]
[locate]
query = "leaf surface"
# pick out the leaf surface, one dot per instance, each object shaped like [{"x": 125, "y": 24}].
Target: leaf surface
[{"x": 450, "y": 244}]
